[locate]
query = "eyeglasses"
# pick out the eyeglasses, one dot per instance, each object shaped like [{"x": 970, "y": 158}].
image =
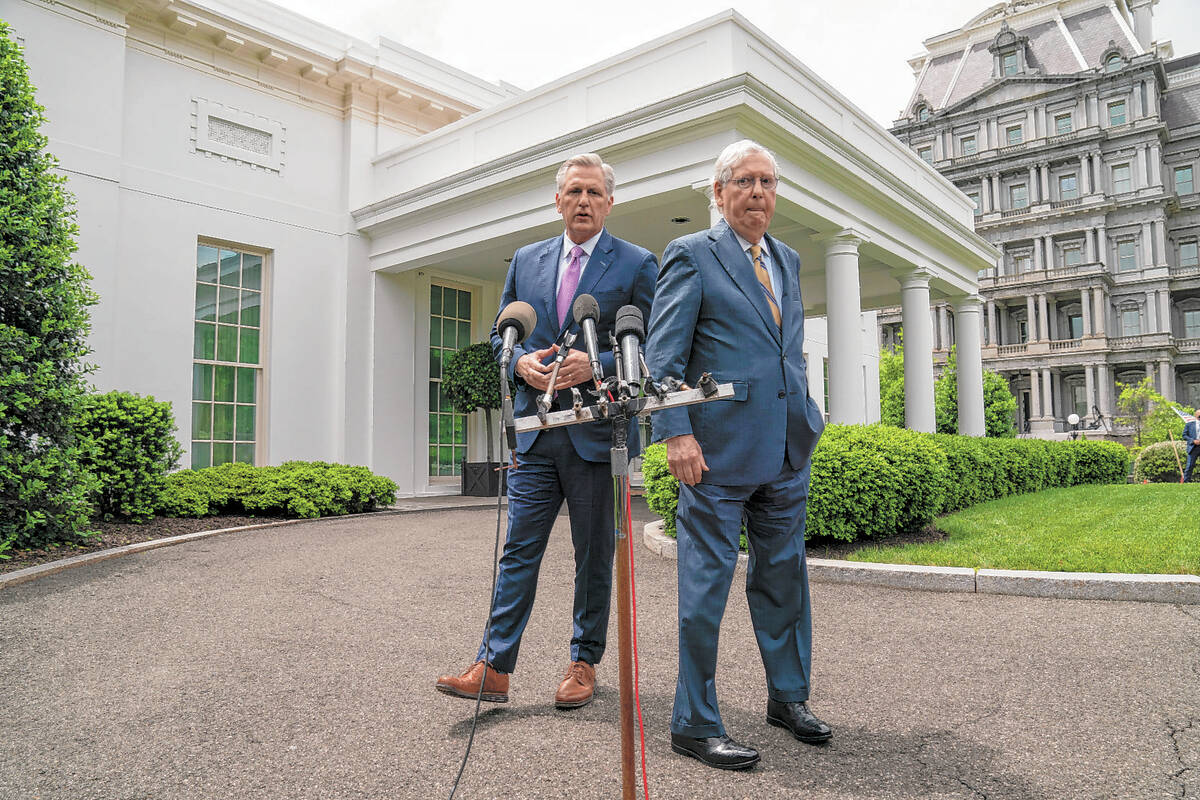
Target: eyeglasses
[{"x": 767, "y": 182}]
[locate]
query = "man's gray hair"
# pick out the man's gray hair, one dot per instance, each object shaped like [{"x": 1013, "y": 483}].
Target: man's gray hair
[
  {"x": 586, "y": 160},
  {"x": 733, "y": 155}
]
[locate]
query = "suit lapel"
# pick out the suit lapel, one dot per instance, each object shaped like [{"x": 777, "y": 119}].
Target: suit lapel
[
  {"x": 733, "y": 259},
  {"x": 790, "y": 306},
  {"x": 598, "y": 263},
  {"x": 547, "y": 277}
]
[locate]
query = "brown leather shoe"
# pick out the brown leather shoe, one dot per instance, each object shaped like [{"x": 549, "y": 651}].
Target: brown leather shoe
[
  {"x": 577, "y": 687},
  {"x": 495, "y": 686}
]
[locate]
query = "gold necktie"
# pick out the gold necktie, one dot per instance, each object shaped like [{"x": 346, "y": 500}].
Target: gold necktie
[{"x": 764, "y": 280}]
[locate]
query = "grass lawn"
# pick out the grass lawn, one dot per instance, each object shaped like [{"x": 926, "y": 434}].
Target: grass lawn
[{"x": 1141, "y": 528}]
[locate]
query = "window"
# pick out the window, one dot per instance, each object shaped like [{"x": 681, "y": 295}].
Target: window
[
  {"x": 1018, "y": 196},
  {"x": 1131, "y": 322},
  {"x": 1126, "y": 256},
  {"x": 1116, "y": 112},
  {"x": 1192, "y": 390},
  {"x": 449, "y": 330},
  {"x": 1068, "y": 187},
  {"x": 1021, "y": 264},
  {"x": 1113, "y": 63},
  {"x": 922, "y": 113},
  {"x": 1075, "y": 325},
  {"x": 1062, "y": 124},
  {"x": 1072, "y": 255},
  {"x": 974, "y": 198},
  {"x": 1079, "y": 398},
  {"x": 1183, "y": 180},
  {"x": 1014, "y": 134},
  {"x": 1188, "y": 254},
  {"x": 226, "y": 371},
  {"x": 926, "y": 154},
  {"x": 1120, "y": 179},
  {"x": 967, "y": 146},
  {"x": 1191, "y": 324},
  {"x": 1022, "y": 331},
  {"x": 1008, "y": 64}
]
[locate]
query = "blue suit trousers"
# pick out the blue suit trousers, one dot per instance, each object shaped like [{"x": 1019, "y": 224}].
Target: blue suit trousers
[
  {"x": 1191, "y": 462},
  {"x": 708, "y": 527},
  {"x": 549, "y": 472}
]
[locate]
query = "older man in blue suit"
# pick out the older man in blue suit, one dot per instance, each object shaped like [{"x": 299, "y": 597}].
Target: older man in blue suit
[
  {"x": 570, "y": 463},
  {"x": 728, "y": 302},
  {"x": 1191, "y": 435}
]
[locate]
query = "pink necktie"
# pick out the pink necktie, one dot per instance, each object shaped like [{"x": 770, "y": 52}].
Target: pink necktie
[{"x": 570, "y": 282}]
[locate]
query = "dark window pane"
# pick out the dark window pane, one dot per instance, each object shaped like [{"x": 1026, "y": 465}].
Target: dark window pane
[
  {"x": 247, "y": 383},
  {"x": 433, "y": 459},
  {"x": 227, "y": 310},
  {"x": 435, "y": 299},
  {"x": 206, "y": 264},
  {"x": 202, "y": 380},
  {"x": 445, "y": 460},
  {"x": 435, "y": 363},
  {"x": 251, "y": 302},
  {"x": 245, "y": 423},
  {"x": 450, "y": 334},
  {"x": 222, "y": 453},
  {"x": 433, "y": 398},
  {"x": 435, "y": 331},
  {"x": 245, "y": 453},
  {"x": 251, "y": 271},
  {"x": 206, "y": 341},
  {"x": 201, "y": 420},
  {"x": 201, "y": 455},
  {"x": 464, "y": 305},
  {"x": 460, "y": 429},
  {"x": 206, "y": 302},
  {"x": 446, "y": 429},
  {"x": 433, "y": 428},
  {"x": 226, "y": 343},
  {"x": 464, "y": 334},
  {"x": 230, "y": 267},
  {"x": 223, "y": 422},
  {"x": 224, "y": 384},
  {"x": 249, "y": 352}
]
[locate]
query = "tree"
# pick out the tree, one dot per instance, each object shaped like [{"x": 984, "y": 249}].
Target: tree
[
  {"x": 470, "y": 380},
  {"x": 999, "y": 406},
  {"x": 891, "y": 386},
  {"x": 44, "y": 299},
  {"x": 1151, "y": 415}
]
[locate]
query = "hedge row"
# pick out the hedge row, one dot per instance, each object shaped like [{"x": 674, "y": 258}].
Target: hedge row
[
  {"x": 305, "y": 489},
  {"x": 878, "y": 481}
]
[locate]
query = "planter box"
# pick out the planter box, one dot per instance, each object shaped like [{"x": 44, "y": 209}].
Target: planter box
[{"x": 482, "y": 479}]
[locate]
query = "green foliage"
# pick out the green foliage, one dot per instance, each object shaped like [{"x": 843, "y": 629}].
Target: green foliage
[
  {"x": 1152, "y": 416},
  {"x": 1157, "y": 463},
  {"x": 876, "y": 481},
  {"x": 306, "y": 489},
  {"x": 44, "y": 299},
  {"x": 891, "y": 387},
  {"x": 999, "y": 407},
  {"x": 130, "y": 446},
  {"x": 471, "y": 380}
]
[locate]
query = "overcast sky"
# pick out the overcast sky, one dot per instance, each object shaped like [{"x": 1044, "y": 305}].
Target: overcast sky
[{"x": 859, "y": 46}]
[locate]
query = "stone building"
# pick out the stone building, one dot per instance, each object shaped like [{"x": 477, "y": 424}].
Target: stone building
[{"x": 1077, "y": 135}]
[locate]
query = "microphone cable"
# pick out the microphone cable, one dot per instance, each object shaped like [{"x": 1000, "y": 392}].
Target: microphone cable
[{"x": 487, "y": 630}]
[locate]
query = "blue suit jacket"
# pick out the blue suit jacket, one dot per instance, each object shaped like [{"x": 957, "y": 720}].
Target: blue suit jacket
[
  {"x": 710, "y": 315},
  {"x": 617, "y": 273},
  {"x": 1191, "y": 432}
]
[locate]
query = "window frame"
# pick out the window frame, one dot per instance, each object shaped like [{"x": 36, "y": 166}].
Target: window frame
[
  {"x": 1111, "y": 106},
  {"x": 1070, "y": 127},
  {"x": 1194, "y": 259},
  {"x": 1074, "y": 190},
  {"x": 1008, "y": 135},
  {"x": 1131, "y": 255},
  {"x": 1127, "y": 180},
  {"x": 1191, "y": 183},
  {"x": 1012, "y": 195},
  {"x": 974, "y": 145}
]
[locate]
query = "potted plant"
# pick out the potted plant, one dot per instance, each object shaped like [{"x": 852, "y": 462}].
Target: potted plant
[{"x": 471, "y": 381}]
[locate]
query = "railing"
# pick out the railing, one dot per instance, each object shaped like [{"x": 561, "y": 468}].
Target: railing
[
  {"x": 1138, "y": 341},
  {"x": 1066, "y": 344},
  {"x": 967, "y": 159},
  {"x": 1012, "y": 148},
  {"x": 1181, "y": 272},
  {"x": 1188, "y": 344},
  {"x": 1014, "y": 212},
  {"x": 1074, "y": 201},
  {"x": 1012, "y": 349},
  {"x": 1063, "y": 137}
]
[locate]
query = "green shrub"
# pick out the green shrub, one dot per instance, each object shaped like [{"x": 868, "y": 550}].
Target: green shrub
[
  {"x": 44, "y": 299},
  {"x": 294, "y": 489},
  {"x": 1156, "y": 463},
  {"x": 878, "y": 480},
  {"x": 130, "y": 446}
]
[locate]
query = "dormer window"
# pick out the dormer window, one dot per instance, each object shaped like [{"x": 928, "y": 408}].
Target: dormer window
[
  {"x": 1008, "y": 63},
  {"x": 1010, "y": 55},
  {"x": 1113, "y": 63}
]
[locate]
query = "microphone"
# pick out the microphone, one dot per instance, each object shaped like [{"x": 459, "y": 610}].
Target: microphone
[
  {"x": 586, "y": 311},
  {"x": 516, "y": 321},
  {"x": 631, "y": 332}
]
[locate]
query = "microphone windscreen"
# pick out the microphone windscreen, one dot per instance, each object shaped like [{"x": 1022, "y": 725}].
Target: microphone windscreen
[
  {"x": 520, "y": 315},
  {"x": 585, "y": 307},
  {"x": 629, "y": 321}
]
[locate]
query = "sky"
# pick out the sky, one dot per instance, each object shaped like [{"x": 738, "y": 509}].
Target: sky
[{"x": 860, "y": 47}]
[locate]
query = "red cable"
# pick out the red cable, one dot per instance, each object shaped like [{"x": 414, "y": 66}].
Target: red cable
[{"x": 637, "y": 696}]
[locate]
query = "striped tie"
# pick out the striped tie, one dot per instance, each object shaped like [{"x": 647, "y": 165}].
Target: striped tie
[{"x": 764, "y": 280}]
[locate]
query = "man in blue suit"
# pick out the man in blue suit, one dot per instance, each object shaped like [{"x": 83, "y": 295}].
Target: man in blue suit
[
  {"x": 728, "y": 302},
  {"x": 570, "y": 463},
  {"x": 1191, "y": 435}
]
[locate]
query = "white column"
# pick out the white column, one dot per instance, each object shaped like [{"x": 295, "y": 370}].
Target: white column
[
  {"x": 1102, "y": 245},
  {"x": 1052, "y": 318},
  {"x": 1048, "y": 396},
  {"x": 1085, "y": 301},
  {"x": 1104, "y": 391},
  {"x": 1030, "y": 319},
  {"x": 1146, "y": 246},
  {"x": 990, "y": 335},
  {"x": 1101, "y": 315},
  {"x": 1035, "y": 395},
  {"x": 918, "y": 352},
  {"x": 1155, "y": 165},
  {"x": 1166, "y": 385},
  {"x": 1045, "y": 191},
  {"x": 844, "y": 313},
  {"x": 1038, "y": 264},
  {"x": 1164, "y": 308},
  {"x": 985, "y": 195},
  {"x": 1089, "y": 377},
  {"x": 1048, "y": 247},
  {"x": 1043, "y": 319},
  {"x": 943, "y": 328},
  {"x": 1152, "y": 312},
  {"x": 1001, "y": 268},
  {"x": 1032, "y": 186},
  {"x": 1085, "y": 178},
  {"x": 970, "y": 366},
  {"x": 1089, "y": 246},
  {"x": 1160, "y": 241}
]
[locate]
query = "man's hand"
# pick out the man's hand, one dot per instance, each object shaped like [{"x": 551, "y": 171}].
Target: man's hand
[
  {"x": 533, "y": 371},
  {"x": 575, "y": 369},
  {"x": 685, "y": 459}
]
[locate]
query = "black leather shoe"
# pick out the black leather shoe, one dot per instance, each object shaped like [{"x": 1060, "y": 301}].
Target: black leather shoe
[
  {"x": 799, "y": 720},
  {"x": 715, "y": 751}
]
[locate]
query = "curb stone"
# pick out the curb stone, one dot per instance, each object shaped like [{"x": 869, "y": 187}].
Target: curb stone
[{"x": 1182, "y": 589}]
